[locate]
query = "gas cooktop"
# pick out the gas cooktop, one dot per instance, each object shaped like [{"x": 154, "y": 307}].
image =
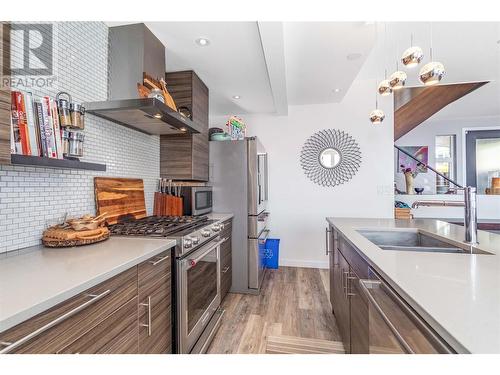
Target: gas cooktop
[
  {"x": 159, "y": 226},
  {"x": 190, "y": 232}
]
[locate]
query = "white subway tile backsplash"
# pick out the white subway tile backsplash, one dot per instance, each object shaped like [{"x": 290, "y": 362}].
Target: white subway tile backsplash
[{"x": 32, "y": 198}]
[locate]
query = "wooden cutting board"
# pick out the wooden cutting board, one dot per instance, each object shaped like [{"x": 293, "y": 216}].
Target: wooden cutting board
[{"x": 121, "y": 198}]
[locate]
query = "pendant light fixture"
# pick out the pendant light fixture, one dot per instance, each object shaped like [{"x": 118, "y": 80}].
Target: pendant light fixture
[
  {"x": 377, "y": 115},
  {"x": 397, "y": 79},
  {"x": 384, "y": 88},
  {"x": 432, "y": 72},
  {"x": 412, "y": 56}
]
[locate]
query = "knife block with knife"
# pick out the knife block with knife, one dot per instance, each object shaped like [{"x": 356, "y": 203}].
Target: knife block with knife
[{"x": 168, "y": 200}]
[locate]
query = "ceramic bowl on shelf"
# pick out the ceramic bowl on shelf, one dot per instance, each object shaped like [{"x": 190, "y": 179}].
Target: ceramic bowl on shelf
[
  {"x": 220, "y": 137},
  {"x": 419, "y": 190}
]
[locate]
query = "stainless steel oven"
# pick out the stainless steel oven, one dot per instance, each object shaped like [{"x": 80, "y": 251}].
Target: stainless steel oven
[
  {"x": 198, "y": 293},
  {"x": 197, "y": 200}
]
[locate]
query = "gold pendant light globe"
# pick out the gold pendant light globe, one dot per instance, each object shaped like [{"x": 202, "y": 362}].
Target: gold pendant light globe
[
  {"x": 412, "y": 56},
  {"x": 377, "y": 116},
  {"x": 431, "y": 73},
  {"x": 397, "y": 80},
  {"x": 384, "y": 88}
]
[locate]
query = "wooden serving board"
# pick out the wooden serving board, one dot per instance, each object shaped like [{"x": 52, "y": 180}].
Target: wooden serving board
[
  {"x": 67, "y": 237},
  {"x": 121, "y": 198}
]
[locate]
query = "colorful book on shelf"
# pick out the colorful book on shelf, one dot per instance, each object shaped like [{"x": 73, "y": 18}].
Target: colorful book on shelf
[
  {"x": 41, "y": 127},
  {"x": 48, "y": 122},
  {"x": 57, "y": 128},
  {"x": 30, "y": 120},
  {"x": 20, "y": 122},
  {"x": 12, "y": 137}
]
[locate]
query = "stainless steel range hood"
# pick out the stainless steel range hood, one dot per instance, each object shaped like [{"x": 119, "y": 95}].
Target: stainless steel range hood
[
  {"x": 133, "y": 51},
  {"x": 147, "y": 115}
]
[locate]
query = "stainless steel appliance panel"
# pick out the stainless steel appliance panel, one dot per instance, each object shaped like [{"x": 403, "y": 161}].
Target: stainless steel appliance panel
[
  {"x": 197, "y": 200},
  {"x": 256, "y": 224},
  {"x": 240, "y": 186},
  {"x": 257, "y": 177},
  {"x": 228, "y": 177},
  {"x": 256, "y": 264},
  {"x": 199, "y": 293}
]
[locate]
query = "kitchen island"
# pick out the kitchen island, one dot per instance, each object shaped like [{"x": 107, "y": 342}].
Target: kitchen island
[{"x": 457, "y": 294}]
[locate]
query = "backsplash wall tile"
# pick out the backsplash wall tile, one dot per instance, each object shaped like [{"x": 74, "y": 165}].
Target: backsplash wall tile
[{"x": 31, "y": 198}]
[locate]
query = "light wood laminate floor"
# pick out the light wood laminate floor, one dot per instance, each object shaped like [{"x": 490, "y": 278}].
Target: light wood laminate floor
[{"x": 294, "y": 302}]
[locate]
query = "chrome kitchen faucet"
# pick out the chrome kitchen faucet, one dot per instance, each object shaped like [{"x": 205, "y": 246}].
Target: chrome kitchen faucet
[{"x": 470, "y": 215}]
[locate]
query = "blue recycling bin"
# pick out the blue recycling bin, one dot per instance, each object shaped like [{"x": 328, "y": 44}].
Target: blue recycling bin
[{"x": 271, "y": 253}]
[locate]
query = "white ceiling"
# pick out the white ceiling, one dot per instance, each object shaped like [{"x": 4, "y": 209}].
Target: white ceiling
[
  {"x": 272, "y": 65},
  {"x": 232, "y": 64},
  {"x": 316, "y": 58},
  {"x": 269, "y": 64}
]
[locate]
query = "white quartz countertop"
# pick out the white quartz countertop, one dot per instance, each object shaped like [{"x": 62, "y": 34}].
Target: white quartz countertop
[
  {"x": 219, "y": 216},
  {"x": 35, "y": 279},
  {"x": 457, "y": 294}
]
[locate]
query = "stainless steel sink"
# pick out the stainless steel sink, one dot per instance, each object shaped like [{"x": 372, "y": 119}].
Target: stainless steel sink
[{"x": 415, "y": 240}]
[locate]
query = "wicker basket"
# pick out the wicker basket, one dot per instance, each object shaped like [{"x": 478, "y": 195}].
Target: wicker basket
[{"x": 67, "y": 237}]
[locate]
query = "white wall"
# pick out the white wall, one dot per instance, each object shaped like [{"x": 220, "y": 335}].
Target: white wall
[{"x": 298, "y": 206}]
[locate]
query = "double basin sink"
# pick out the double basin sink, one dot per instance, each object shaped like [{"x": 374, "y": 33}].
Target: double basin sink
[{"x": 416, "y": 240}]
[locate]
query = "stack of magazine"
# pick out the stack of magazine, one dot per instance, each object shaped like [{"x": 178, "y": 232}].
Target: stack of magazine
[{"x": 35, "y": 127}]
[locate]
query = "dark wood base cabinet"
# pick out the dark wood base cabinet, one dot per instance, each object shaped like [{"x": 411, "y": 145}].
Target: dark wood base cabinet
[
  {"x": 129, "y": 313},
  {"x": 155, "y": 305},
  {"x": 226, "y": 259},
  {"x": 371, "y": 316}
]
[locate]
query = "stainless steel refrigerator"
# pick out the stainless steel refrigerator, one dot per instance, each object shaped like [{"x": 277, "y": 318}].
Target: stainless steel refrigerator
[{"x": 239, "y": 177}]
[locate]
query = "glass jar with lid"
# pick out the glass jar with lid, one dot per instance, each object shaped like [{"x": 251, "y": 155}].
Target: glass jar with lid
[
  {"x": 77, "y": 112},
  {"x": 63, "y": 108}
]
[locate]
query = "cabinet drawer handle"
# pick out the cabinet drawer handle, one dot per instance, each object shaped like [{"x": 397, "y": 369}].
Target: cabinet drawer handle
[
  {"x": 349, "y": 292},
  {"x": 60, "y": 319},
  {"x": 149, "y": 326},
  {"x": 327, "y": 233},
  {"x": 386, "y": 319},
  {"x": 159, "y": 260},
  {"x": 226, "y": 269}
]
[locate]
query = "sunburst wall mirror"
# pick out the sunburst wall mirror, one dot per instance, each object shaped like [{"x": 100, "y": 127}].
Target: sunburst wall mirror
[{"x": 330, "y": 157}]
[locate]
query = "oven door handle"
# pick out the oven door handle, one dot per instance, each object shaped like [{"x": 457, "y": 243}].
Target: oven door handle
[{"x": 193, "y": 261}]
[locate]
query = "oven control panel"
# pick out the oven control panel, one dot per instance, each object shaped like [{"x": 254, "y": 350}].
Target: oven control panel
[{"x": 201, "y": 236}]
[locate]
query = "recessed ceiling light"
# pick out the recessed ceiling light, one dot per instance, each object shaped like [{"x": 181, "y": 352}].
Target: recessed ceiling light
[
  {"x": 182, "y": 129},
  {"x": 336, "y": 90},
  {"x": 236, "y": 97},
  {"x": 158, "y": 115},
  {"x": 354, "y": 56},
  {"x": 202, "y": 42}
]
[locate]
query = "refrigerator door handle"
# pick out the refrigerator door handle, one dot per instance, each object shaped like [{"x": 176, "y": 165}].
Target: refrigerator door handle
[{"x": 266, "y": 232}]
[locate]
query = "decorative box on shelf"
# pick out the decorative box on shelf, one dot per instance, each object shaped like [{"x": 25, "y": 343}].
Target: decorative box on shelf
[{"x": 402, "y": 213}]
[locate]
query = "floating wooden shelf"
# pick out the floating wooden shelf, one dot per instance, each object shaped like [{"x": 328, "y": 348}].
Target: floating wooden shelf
[{"x": 37, "y": 161}]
